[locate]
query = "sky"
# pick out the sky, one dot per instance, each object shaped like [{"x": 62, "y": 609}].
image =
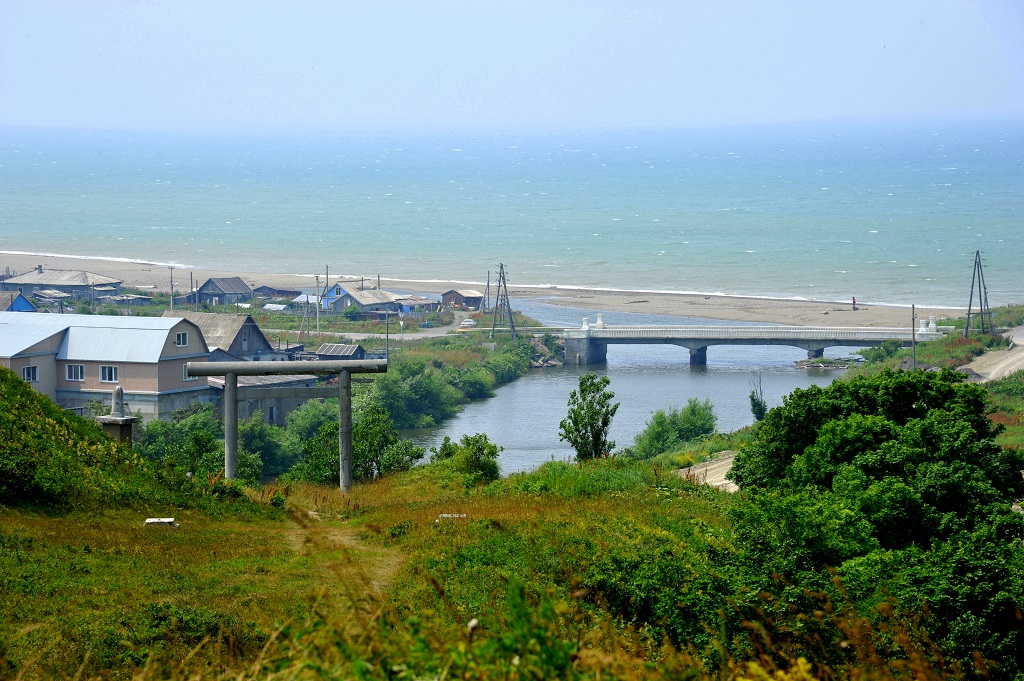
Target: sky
[{"x": 436, "y": 66}]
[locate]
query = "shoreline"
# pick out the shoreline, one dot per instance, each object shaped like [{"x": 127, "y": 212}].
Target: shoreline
[{"x": 726, "y": 307}]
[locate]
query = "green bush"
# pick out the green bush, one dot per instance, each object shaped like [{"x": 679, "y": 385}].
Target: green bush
[
  {"x": 666, "y": 431},
  {"x": 474, "y": 456}
]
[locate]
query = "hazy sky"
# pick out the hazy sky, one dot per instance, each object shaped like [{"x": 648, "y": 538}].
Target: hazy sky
[{"x": 515, "y": 66}]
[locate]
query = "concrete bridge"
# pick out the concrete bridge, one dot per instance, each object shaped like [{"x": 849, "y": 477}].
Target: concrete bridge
[{"x": 589, "y": 344}]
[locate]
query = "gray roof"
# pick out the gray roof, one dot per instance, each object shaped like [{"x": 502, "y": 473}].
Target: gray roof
[
  {"x": 371, "y": 297},
  {"x": 7, "y": 299},
  {"x": 89, "y": 337},
  {"x": 62, "y": 278},
  {"x": 337, "y": 350},
  {"x": 218, "y": 329},
  {"x": 467, "y": 292},
  {"x": 226, "y": 285},
  {"x": 260, "y": 381}
]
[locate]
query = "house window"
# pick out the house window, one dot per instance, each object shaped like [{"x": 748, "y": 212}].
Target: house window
[
  {"x": 30, "y": 374},
  {"x": 76, "y": 372},
  {"x": 185, "y": 376},
  {"x": 108, "y": 374},
  {"x": 181, "y": 339}
]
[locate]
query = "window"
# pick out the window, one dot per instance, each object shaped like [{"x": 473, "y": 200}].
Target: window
[
  {"x": 181, "y": 339},
  {"x": 108, "y": 374},
  {"x": 30, "y": 374},
  {"x": 185, "y": 376},
  {"x": 76, "y": 372}
]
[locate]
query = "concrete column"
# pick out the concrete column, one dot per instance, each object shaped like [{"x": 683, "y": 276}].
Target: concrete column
[
  {"x": 816, "y": 353},
  {"x": 699, "y": 356},
  {"x": 345, "y": 430},
  {"x": 231, "y": 426}
]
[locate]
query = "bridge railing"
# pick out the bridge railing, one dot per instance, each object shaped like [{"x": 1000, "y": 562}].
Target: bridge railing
[{"x": 870, "y": 334}]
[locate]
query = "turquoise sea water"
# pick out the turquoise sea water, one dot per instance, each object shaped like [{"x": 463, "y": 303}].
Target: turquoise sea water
[{"x": 888, "y": 214}]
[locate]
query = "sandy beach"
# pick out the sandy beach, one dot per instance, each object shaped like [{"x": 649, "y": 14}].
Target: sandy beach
[{"x": 733, "y": 308}]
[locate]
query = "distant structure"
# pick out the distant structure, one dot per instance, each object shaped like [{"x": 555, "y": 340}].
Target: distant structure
[
  {"x": 12, "y": 301},
  {"x": 984, "y": 313},
  {"x": 502, "y": 306},
  {"x": 462, "y": 298},
  {"x": 223, "y": 291},
  {"x": 76, "y": 283}
]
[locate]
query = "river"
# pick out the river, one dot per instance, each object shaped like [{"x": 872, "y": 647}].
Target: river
[{"x": 523, "y": 416}]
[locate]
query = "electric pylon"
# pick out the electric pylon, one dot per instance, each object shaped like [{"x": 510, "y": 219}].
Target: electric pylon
[
  {"x": 984, "y": 312},
  {"x": 502, "y": 307}
]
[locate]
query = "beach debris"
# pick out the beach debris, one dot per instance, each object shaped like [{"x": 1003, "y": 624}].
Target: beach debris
[
  {"x": 449, "y": 516},
  {"x": 168, "y": 522}
]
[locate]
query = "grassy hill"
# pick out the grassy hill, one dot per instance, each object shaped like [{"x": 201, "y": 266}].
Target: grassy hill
[{"x": 617, "y": 568}]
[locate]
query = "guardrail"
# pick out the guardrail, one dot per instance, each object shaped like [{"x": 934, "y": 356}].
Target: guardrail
[{"x": 870, "y": 334}]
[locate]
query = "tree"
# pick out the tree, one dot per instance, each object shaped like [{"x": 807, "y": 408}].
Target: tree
[
  {"x": 666, "y": 431},
  {"x": 474, "y": 455},
  {"x": 758, "y": 405},
  {"x": 586, "y": 425}
]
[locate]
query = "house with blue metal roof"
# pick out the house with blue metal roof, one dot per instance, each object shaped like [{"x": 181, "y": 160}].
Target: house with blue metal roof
[{"x": 77, "y": 359}]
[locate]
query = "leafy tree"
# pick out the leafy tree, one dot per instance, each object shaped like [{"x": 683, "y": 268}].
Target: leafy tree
[
  {"x": 474, "y": 455},
  {"x": 305, "y": 421},
  {"x": 586, "y": 425},
  {"x": 376, "y": 450},
  {"x": 269, "y": 442},
  {"x": 668, "y": 430}
]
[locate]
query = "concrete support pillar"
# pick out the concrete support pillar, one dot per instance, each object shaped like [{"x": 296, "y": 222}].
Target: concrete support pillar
[
  {"x": 345, "y": 430},
  {"x": 597, "y": 353},
  {"x": 699, "y": 356},
  {"x": 815, "y": 354},
  {"x": 231, "y": 426}
]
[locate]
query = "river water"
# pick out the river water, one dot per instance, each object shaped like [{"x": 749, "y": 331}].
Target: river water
[{"x": 523, "y": 417}]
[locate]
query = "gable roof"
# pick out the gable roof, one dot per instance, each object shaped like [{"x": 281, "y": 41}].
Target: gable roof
[
  {"x": 89, "y": 337},
  {"x": 219, "y": 330},
  {"x": 466, "y": 292},
  {"x": 226, "y": 285},
  {"x": 10, "y": 299},
  {"x": 62, "y": 278},
  {"x": 371, "y": 297}
]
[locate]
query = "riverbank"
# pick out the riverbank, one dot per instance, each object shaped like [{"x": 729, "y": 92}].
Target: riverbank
[{"x": 724, "y": 307}]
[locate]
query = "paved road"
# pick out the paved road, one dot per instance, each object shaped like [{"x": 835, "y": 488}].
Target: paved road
[{"x": 712, "y": 472}]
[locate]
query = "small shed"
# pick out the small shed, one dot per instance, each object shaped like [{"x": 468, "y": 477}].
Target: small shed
[
  {"x": 274, "y": 293},
  {"x": 464, "y": 298},
  {"x": 340, "y": 351},
  {"x": 224, "y": 291}
]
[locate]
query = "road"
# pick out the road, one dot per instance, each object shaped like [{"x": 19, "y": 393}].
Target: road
[
  {"x": 712, "y": 472},
  {"x": 996, "y": 364}
]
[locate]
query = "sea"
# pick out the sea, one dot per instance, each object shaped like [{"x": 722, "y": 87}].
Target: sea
[
  {"x": 889, "y": 213},
  {"x": 886, "y": 213}
]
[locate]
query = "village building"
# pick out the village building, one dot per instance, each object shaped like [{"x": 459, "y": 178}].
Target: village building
[
  {"x": 222, "y": 291},
  {"x": 271, "y": 293},
  {"x": 464, "y": 299},
  {"x": 76, "y": 283},
  {"x": 238, "y": 336},
  {"x": 125, "y": 300},
  {"x": 416, "y": 305},
  {"x": 12, "y": 301},
  {"x": 78, "y": 359},
  {"x": 371, "y": 300},
  {"x": 329, "y": 351}
]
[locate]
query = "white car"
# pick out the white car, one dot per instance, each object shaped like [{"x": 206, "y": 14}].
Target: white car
[{"x": 468, "y": 323}]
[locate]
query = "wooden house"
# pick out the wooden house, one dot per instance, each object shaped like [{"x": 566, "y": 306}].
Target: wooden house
[
  {"x": 223, "y": 291},
  {"x": 464, "y": 299}
]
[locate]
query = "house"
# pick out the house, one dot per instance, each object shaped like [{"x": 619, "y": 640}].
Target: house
[
  {"x": 236, "y": 335},
  {"x": 125, "y": 300},
  {"x": 223, "y": 291},
  {"x": 339, "y": 351},
  {"x": 77, "y": 359},
  {"x": 76, "y": 283},
  {"x": 416, "y": 305},
  {"x": 370, "y": 300},
  {"x": 275, "y": 293},
  {"x": 465, "y": 298},
  {"x": 12, "y": 301},
  {"x": 275, "y": 410}
]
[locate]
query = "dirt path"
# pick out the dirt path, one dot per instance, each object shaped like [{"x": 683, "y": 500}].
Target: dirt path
[
  {"x": 996, "y": 364},
  {"x": 712, "y": 472}
]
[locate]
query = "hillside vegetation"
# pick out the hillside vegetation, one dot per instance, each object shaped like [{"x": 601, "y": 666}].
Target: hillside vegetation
[{"x": 874, "y": 539}]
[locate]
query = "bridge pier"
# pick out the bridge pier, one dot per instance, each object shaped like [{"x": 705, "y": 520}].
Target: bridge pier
[
  {"x": 816, "y": 353},
  {"x": 581, "y": 351},
  {"x": 699, "y": 356}
]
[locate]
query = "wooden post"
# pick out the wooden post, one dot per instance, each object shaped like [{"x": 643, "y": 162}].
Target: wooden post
[
  {"x": 230, "y": 426},
  {"x": 345, "y": 430}
]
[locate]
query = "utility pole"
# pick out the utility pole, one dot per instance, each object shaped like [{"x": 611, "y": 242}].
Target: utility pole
[
  {"x": 171, "y": 268},
  {"x": 317, "y": 276},
  {"x": 913, "y": 336},
  {"x": 487, "y": 293}
]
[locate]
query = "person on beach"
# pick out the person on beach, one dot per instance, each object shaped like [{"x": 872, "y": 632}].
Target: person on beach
[{"x": 854, "y": 303}]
